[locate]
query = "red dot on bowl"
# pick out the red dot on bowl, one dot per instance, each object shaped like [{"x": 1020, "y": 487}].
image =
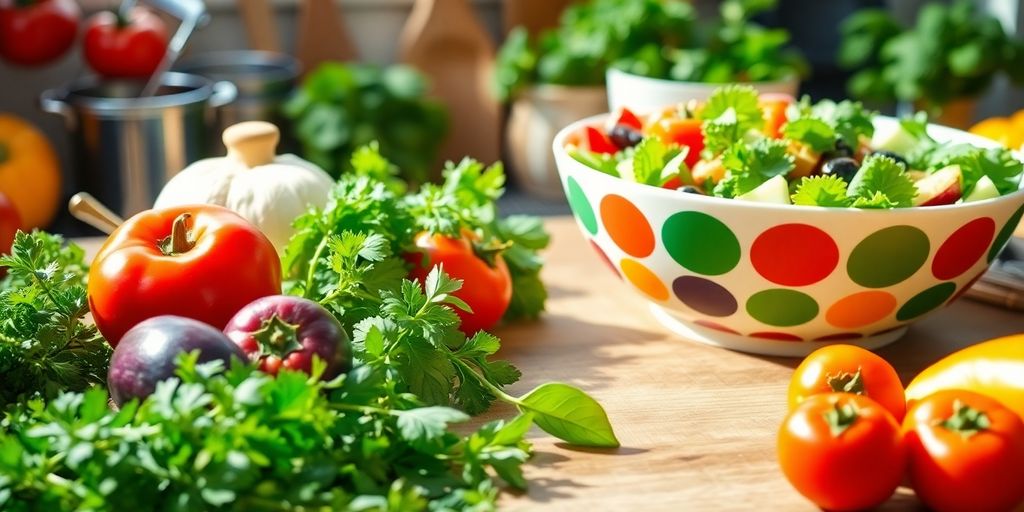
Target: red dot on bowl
[
  {"x": 843, "y": 336},
  {"x": 963, "y": 248},
  {"x": 712, "y": 325},
  {"x": 627, "y": 226},
  {"x": 794, "y": 254},
  {"x": 604, "y": 257},
  {"x": 778, "y": 336}
]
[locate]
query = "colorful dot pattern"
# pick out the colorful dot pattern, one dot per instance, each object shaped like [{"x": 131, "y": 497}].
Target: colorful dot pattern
[{"x": 789, "y": 259}]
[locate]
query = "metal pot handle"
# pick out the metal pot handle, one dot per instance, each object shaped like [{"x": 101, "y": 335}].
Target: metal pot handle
[
  {"x": 223, "y": 93},
  {"x": 52, "y": 101}
]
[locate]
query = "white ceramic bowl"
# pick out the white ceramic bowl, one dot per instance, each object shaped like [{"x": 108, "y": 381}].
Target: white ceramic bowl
[
  {"x": 643, "y": 94},
  {"x": 783, "y": 279}
]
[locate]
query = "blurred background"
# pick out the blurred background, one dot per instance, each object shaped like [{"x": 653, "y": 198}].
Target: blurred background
[{"x": 437, "y": 79}]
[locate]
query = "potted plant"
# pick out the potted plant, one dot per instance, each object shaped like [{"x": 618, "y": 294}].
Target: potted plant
[
  {"x": 690, "y": 64},
  {"x": 941, "y": 64},
  {"x": 559, "y": 77},
  {"x": 341, "y": 107}
]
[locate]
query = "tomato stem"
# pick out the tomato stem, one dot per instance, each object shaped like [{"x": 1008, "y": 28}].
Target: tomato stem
[
  {"x": 840, "y": 418},
  {"x": 180, "y": 240},
  {"x": 966, "y": 420},
  {"x": 277, "y": 337},
  {"x": 5, "y": 153},
  {"x": 846, "y": 382},
  {"x": 489, "y": 252}
]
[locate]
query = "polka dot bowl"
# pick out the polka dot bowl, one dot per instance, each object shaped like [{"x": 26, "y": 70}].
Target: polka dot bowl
[{"x": 782, "y": 279}]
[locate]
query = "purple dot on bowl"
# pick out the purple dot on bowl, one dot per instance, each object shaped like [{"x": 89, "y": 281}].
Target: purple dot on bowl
[
  {"x": 777, "y": 336},
  {"x": 704, "y": 296}
]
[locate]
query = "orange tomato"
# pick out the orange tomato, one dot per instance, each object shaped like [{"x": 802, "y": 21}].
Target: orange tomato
[
  {"x": 684, "y": 132},
  {"x": 842, "y": 451},
  {"x": 965, "y": 452},
  {"x": 848, "y": 369},
  {"x": 29, "y": 172},
  {"x": 774, "y": 109}
]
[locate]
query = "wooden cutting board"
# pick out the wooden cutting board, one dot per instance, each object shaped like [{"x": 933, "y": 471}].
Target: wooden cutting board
[{"x": 445, "y": 40}]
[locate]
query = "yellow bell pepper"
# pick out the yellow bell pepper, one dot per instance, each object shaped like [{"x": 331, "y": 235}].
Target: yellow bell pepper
[{"x": 1008, "y": 131}]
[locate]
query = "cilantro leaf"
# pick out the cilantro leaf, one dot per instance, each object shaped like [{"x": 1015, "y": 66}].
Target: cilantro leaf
[
  {"x": 998, "y": 164},
  {"x": 749, "y": 165},
  {"x": 812, "y": 132},
  {"x": 881, "y": 183},
  {"x": 728, "y": 115},
  {"x": 822, "y": 191},
  {"x": 850, "y": 120},
  {"x": 648, "y": 160}
]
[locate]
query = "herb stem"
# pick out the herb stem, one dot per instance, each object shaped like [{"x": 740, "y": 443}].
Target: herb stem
[
  {"x": 495, "y": 390},
  {"x": 311, "y": 273},
  {"x": 365, "y": 409}
]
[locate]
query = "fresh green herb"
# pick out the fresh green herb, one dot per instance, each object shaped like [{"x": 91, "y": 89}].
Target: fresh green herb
[
  {"x": 728, "y": 115},
  {"x": 46, "y": 346},
  {"x": 998, "y": 164},
  {"x": 240, "y": 440},
  {"x": 342, "y": 107},
  {"x": 822, "y": 191},
  {"x": 649, "y": 159},
  {"x": 881, "y": 182},
  {"x": 598, "y": 161},
  {"x": 820, "y": 125},
  {"x": 812, "y": 132},
  {"x": 749, "y": 165}
]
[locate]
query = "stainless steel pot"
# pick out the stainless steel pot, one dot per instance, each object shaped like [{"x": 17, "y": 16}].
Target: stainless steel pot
[
  {"x": 264, "y": 80},
  {"x": 127, "y": 147}
]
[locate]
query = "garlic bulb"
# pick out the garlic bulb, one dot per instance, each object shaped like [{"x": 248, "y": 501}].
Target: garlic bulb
[{"x": 269, "y": 191}]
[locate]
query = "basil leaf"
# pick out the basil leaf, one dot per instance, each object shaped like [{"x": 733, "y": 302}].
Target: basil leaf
[{"x": 569, "y": 414}]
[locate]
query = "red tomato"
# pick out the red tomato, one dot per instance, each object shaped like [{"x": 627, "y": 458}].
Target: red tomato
[
  {"x": 626, "y": 117},
  {"x": 487, "y": 289},
  {"x": 849, "y": 369},
  {"x": 842, "y": 451},
  {"x": 202, "y": 262},
  {"x": 599, "y": 142},
  {"x": 10, "y": 223},
  {"x": 37, "y": 32},
  {"x": 125, "y": 48},
  {"x": 774, "y": 109},
  {"x": 684, "y": 132},
  {"x": 965, "y": 453}
]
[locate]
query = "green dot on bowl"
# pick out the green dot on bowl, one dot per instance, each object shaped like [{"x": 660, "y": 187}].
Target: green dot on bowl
[
  {"x": 782, "y": 307},
  {"x": 701, "y": 243},
  {"x": 888, "y": 256},
  {"x": 1005, "y": 234},
  {"x": 925, "y": 301},
  {"x": 581, "y": 206}
]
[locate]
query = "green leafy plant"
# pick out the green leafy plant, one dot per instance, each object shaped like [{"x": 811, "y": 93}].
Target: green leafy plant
[
  {"x": 654, "y": 38},
  {"x": 341, "y": 107},
  {"x": 46, "y": 346},
  {"x": 951, "y": 52}
]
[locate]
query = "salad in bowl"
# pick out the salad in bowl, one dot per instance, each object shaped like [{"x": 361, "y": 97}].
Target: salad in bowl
[{"x": 769, "y": 225}]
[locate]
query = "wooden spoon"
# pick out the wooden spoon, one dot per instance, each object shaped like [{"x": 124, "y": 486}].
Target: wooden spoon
[
  {"x": 258, "y": 17},
  {"x": 322, "y": 35},
  {"x": 535, "y": 15},
  {"x": 444, "y": 40},
  {"x": 86, "y": 208}
]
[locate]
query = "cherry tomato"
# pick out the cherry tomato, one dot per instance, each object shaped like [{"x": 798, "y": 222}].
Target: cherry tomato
[
  {"x": 774, "y": 109},
  {"x": 848, "y": 369},
  {"x": 965, "y": 453},
  {"x": 36, "y": 32},
  {"x": 125, "y": 48},
  {"x": 842, "y": 451},
  {"x": 10, "y": 223},
  {"x": 626, "y": 117},
  {"x": 599, "y": 142},
  {"x": 202, "y": 262},
  {"x": 684, "y": 132},
  {"x": 486, "y": 287}
]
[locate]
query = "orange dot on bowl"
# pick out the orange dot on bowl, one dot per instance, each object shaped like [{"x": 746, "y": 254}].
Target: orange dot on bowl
[
  {"x": 627, "y": 226},
  {"x": 860, "y": 309},
  {"x": 645, "y": 280}
]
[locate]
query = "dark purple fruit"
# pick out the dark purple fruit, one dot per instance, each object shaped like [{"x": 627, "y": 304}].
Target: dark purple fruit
[
  {"x": 690, "y": 189},
  {"x": 147, "y": 352},
  {"x": 842, "y": 149},
  {"x": 625, "y": 136},
  {"x": 895, "y": 156},
  {"x": 843, "y": 167}
]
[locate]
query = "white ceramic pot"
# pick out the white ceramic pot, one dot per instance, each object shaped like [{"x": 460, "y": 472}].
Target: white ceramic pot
[
  {"x": 643, "y": 94},
  {"x": 537, "y": 115}
]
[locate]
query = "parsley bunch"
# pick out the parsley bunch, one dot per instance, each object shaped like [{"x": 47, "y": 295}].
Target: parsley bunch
[
  {"x": 241, "y": 440},
  {"x": 45, "y": 344},
  {"x": 880, "y": 183}
]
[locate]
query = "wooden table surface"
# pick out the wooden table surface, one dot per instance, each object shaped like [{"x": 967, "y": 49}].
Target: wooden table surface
[{"x": 697, "y": 423}]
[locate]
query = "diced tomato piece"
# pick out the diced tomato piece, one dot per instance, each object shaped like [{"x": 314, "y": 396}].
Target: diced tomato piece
[
  {"x": 673, "y": 183},
  {"x": 774, "y": 115},
  {"x": 685, "y": 132},
  {"x": 600, "y": 142},
  {"x": 626, "y": 117}
]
